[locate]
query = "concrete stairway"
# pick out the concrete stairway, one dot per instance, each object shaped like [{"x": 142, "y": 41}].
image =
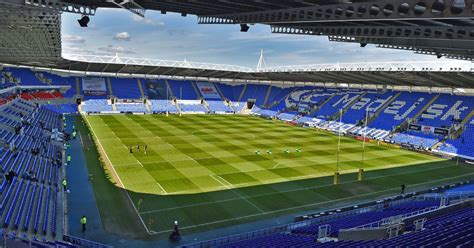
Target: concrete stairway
[
  {"x": 315, "y": 109},
  {"x": 243, "y": 92},
  {"x": 404, "y": 124},
  {"x": 381, "y": 108},
  {"x": 338, "y": 114}
]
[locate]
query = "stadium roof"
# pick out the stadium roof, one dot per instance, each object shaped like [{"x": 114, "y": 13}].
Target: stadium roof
[
  {"x": 436, "y": 27},
  {"x": 31, "y": 36},
  {"x": 453, "y": 73}
]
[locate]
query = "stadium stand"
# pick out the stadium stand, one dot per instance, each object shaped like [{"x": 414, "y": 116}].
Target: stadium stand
[
  {"x": 231, "y": 92},
  {"x": 30, "y": 209},
  {"x": 131, "y": 107},
  {"x": 125, "y": 88},
  {"x": 66, "y": 108},
  {"x": 192, "y": 107},
  {"x": 65, "y": 81},
  {"x": 370, "y": 103},
  {"x": 162, "y": 106},
  {"x": 406, "y": 105},
  {"x": 255, "y": 92},
  {"x": 443, "y": 225},
  {"x": 463, "y": 145},
  {"x": 25, "y": 76},
  {"x": 387, "y": 110},
  {"x": 95, "y": 106},
  {"x": 446, "y": 111},
  {"x": 277, "y": 96},
  {"x": 30, "y": 206},
  {"x": 218, "y": 106},
  {"x": 183, "y": 90},
  {"x": 340, "y": 100},
  {"x": 417, "y": 140}
]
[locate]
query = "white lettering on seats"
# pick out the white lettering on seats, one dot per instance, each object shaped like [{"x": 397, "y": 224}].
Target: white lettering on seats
[
  {"x": 434, "y": 111},
  {"x": 346, "y": 100},
  {"x": 361, "y": 103},
  {"x": 455, "y": 111}
]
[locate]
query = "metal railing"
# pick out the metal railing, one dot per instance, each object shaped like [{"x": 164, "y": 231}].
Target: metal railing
[
  {"x": 389, "y": 220},
  {"x": 84, "y": 242},
  {"x": 328, "y": 215}
]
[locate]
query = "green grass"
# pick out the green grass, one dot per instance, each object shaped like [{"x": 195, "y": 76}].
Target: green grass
[
  {"x": 203, "y": 170},
  {"x": 195, "y": 154}
]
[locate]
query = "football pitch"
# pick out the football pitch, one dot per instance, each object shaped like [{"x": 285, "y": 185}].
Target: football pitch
[{"x": 211, "y": 171}]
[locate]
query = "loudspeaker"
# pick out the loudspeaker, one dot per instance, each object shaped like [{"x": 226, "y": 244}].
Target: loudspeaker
[
  {"x": 83, "y": 21},
  {"x": 244, "y": 28}
]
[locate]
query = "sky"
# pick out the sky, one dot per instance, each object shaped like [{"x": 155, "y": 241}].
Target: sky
[{"x": 173, "y": 37}]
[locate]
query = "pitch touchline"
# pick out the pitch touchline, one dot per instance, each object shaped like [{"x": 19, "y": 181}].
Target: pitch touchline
[
  {"x": 302, "y": 206},
  {"x": 217, "y": 177},
  {"x": 96, "y": 206},
  {"x": 284, "y": 191},
  {"x": 159, "y": 185},
  {"x": 113, "y": 169}
]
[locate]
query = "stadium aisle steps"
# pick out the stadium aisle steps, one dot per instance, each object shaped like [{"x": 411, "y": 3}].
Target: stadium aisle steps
[
  {"x": 169, "y": 89},
  {"x": 267, "y": 95},
  {"x": 242, "y": 93},
  {"x": 433, "y": 99},
  {"x": 140, "y": 87}
]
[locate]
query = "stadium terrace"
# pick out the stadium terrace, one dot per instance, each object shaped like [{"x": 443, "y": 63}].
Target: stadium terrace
[{"x": 111, "y": 151}]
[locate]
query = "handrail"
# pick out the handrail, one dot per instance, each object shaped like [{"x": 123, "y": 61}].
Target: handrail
[
  {"x": 329, "y": 215},
  {"x": 84, "y": 242},
  {"x": 387, "y": 220}
]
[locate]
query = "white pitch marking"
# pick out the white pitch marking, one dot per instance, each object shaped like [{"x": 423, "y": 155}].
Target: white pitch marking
[
  {"x": 234, "y": 191},
  {"x": 284, "y": 191},
  {"x": 302, "y": 206},
  {"x": 161, "y": 187},
  {"x": 115, "y": 172}
]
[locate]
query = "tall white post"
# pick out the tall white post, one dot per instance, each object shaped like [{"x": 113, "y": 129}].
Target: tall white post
[
  {"x": 365, "y": 134},
  {"x": 339, "y": 140}
]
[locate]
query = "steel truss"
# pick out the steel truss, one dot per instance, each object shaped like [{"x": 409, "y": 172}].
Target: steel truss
[
  {"x": 29, "y": 34},
  {"x": 386, "y": 10},
  {"x": 129, "y": 5},
  {"x": 155, "y": 62},
  {"x": 444, "y": 28},
  {"x": 59, "y": 5},
  {"x": 401, "y": 32}
]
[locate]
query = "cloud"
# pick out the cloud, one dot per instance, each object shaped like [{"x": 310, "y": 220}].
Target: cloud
[
  {"x": 73, "y": 38},
  {"x": 147, "y": 21},
  {"x": 122, "y": 36},
  {"x": 110, "y": 49}
]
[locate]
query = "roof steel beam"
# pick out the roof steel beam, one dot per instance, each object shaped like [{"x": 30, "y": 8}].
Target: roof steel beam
[
  {"x": 458, "y": 49},
  {"x": 129, "y": 5},
  {"x": 59, "y": 5},
  {"x": 352, "y": 12},
  {"x": 403, "y": 32}
]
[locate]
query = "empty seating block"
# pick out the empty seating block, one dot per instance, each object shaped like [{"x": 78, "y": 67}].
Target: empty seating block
[
  {"x": 369, "y": 103},
  {"x": 446, "y": 111},
  {"x": 95, "y": 106},
  {"x": 162, "y": 106},
  {"x": 406, "y": 105},
  {"x": 131, "y": 107},
  {"x": 29, "y": 204},
  {"x": 218, "y": 106},
  {"x": 125, "y": 88}
]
